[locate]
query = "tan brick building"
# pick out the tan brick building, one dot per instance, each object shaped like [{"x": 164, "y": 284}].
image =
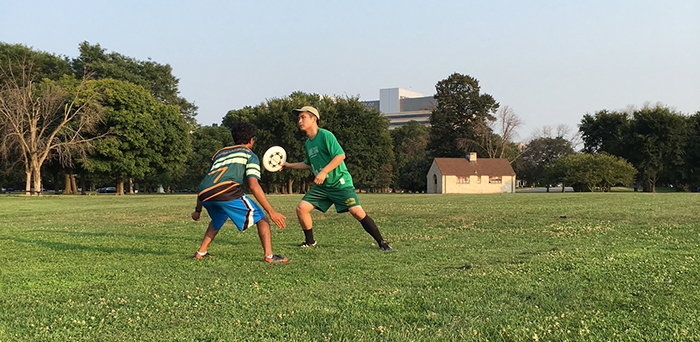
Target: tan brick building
[{"x": 470, "y": 176}]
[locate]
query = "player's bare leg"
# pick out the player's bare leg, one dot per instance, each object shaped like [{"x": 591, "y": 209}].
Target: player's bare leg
[
  {"x": 265, "y": 236},
  {"x": 304, "y": 215},
  {"x": 208, "y": 238},
  {"x": 266, "y": 240}
]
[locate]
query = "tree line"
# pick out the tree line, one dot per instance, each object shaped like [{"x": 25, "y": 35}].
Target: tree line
[
  {"x": 115, "y": 120},
  {"x": 103, "y": 118},
  {"x": 661, "y": 143}
]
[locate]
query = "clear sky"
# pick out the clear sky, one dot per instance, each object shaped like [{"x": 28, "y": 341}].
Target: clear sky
[{"x": 550, "y": 61}]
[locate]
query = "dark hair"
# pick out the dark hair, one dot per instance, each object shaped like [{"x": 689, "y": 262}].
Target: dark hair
[{"x": 242, "y": 132}]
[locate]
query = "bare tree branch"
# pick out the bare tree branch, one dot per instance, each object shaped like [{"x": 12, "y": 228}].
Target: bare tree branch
[
  {"x": 494, "y": 136},
  {"x": 43, "y": 119},
  {"x": 559, "y": 131}
]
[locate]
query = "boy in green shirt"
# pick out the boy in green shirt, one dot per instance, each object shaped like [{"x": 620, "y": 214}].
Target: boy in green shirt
[{"x": 333, "y": 181}]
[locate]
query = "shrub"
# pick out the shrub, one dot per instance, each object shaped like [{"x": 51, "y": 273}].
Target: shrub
[{"x": 585, "y": 171}]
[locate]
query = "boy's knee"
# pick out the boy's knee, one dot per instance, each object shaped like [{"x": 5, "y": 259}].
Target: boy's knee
[
  {"x": 304, "y": 208},
  {"x": 357, "y": 212},
  {"x": 262, "y": 223}
]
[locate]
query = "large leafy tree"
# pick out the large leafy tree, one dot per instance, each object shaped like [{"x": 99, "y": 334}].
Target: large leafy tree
[
  {"x": 44, "y": 64},
  {"x": 461, "y": 107},
  {"x": 608, "y": 132},
  {"x": 146, "y": 137},
  {"x": 659, "y": 140},
  {"x": 169, "y": 145},
  {"x": 538, "y": 154},
  {"x": 411, "y": 162},
  {"x": 692, "y": 152},
  {"x": 157, "y": 78}
]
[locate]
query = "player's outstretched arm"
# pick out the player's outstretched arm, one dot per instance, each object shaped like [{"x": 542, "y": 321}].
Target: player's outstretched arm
[
  {"x": 259, "y": 194},
  {"x": 296, "y": 166}
]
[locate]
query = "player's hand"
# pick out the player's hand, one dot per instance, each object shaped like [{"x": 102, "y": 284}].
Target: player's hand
[
  {"x": 196, "y": 215},
  {"x": 278, "y": 219},
  {"x": 320, "y": 178}
]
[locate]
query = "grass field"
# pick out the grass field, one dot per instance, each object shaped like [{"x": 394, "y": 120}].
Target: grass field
[{"x": 509, "y": 267}]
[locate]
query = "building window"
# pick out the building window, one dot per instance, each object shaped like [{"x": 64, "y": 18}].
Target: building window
[
  {"x": 495, "y": 180},
  {"x": 462, "y": 180}
]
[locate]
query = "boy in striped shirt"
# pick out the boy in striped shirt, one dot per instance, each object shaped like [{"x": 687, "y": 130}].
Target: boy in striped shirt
[{"x": 221, "y": 194}]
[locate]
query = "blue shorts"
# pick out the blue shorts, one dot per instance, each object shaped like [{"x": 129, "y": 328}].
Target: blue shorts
[{"x": 243, "y": 212}]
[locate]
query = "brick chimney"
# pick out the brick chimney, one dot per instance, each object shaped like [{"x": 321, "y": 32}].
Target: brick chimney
[{"x": 472, "y": 157}]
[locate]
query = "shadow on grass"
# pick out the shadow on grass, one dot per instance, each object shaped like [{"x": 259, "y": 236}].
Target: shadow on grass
[
  {"x": 60, "y": 246},
  {"x": 136, "y": 237}
]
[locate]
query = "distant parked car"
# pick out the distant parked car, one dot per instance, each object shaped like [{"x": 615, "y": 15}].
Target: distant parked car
[{"x": 107, "y": 190}]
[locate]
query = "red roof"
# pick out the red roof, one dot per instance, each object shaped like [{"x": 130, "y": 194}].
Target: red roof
[{"x": 482, "y": 166}]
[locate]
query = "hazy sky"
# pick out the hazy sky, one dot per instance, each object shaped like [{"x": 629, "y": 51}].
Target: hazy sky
[{"x": 550, "y": 61}]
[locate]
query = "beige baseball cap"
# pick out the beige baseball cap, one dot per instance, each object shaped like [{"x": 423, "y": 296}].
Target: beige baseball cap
[{"x": 309, "y": 109}]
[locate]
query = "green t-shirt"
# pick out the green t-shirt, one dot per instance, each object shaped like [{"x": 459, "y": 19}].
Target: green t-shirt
[{"x": 319, "y": 153}]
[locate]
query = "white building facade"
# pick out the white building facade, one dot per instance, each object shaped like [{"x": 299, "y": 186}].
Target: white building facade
[{"x": 401, "y": 106}]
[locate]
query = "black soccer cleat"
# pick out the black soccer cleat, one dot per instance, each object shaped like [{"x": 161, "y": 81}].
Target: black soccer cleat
[
  {"x": 385, "y": 246},
  {"x": 308, "y": 245}
]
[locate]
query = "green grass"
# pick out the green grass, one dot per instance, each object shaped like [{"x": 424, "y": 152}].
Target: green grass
[{"x": 507, "y": 267}]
